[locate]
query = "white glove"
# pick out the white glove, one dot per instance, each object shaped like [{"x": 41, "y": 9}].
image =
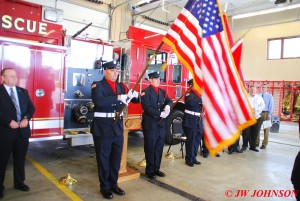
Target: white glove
[
  {"x": 133, "y": 94},
  {"x": 163, "y": 114},
  {"x": 123, "y": 99},
  {"x": 167, "y": 109}
]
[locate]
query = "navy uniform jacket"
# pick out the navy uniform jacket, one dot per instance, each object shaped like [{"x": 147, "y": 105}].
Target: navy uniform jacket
[
  {"x": 192, "y": 103},
  {"x": 8, "y": 111},
  {"x": 105, "y": 100},
  {"x": 153, "y": 104}
]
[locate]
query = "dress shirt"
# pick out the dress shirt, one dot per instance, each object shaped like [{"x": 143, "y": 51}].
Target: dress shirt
[
  {"x": 257, "y": 103},
  {"x": 269, "y": 103}
]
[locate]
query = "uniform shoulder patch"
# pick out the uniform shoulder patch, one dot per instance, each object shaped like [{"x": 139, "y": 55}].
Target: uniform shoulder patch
[{"x": 143, "y": 93}]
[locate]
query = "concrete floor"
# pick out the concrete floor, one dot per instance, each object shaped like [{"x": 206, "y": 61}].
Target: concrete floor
[{"x": 217, "y": 179}]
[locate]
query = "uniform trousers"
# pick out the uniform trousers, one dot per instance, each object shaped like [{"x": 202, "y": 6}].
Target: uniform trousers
[
  {"x": 193, "y": 138},
  {"x": 17, "y": 145},
  {"x": 154, "y": 140},
  {"x": 203, "y": 146},
  {"x": 109, "y": 154}
]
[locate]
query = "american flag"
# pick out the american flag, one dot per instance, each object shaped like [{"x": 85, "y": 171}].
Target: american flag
[{"x": 198, "y": 38}]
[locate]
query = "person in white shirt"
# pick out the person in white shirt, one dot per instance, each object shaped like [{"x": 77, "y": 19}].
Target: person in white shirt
[{"x": 250, "y": 134}]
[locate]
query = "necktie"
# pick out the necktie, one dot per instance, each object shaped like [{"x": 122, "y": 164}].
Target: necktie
[{"x": 14, "y": 99}]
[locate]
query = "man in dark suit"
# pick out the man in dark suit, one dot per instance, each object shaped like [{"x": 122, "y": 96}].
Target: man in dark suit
[
  {"x": 156, "y": 105},
  {"x": 108, "y": 96},
  {"x": 16, "y": 109},
  {"x": 192, "y": 125}
]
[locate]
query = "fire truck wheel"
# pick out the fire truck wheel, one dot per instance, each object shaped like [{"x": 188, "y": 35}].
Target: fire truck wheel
[{"x": 174, "y": 126}]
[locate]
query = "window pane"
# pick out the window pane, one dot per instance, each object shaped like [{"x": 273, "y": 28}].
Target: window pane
[
  {"x": 176, "y": 77},
  {"x": 274, "y": 49},
  {"x": 156, "y": 64},
  {"x": 291, "y": 48}
]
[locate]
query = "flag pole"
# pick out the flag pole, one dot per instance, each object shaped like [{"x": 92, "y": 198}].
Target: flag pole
[
  {"x": 173, "y": 105},
  {"x": 141, "y": 76}
]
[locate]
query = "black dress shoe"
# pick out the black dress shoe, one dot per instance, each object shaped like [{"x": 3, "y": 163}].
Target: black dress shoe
[
  {"x": 189, "y": 163},
  {"x": 117, "y": 190},
  {"x": 244, "y": 149},
  {"x": 205, "y": 155},
  {"x": 238, "y": 150},
  {"x": 160, "y": 173},
  {"x": 151, "y": 175},
  {"x": 254, "y": 149},
  {"x": 230, "y": 151},
  {"x": 197, "y": 162},
  {"x": 106, "y": 194},
  {"x": 22, "y": 187}
]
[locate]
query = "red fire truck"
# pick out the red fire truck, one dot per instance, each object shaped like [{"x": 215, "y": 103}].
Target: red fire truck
[{"x": 57, "y": 83}]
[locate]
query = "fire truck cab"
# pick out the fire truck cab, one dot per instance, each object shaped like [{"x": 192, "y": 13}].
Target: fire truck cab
[{"x": 58, "y": 70}]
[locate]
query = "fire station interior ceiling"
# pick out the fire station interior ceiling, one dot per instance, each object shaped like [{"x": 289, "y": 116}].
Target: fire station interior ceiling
[
  {"x": 160, "y": 14},
  {"x": 281, "y": 11},
  {"x": 236, "y": 7}
]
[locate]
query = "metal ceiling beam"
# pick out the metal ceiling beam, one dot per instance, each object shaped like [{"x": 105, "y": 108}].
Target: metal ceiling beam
[{"x": 144, "y": 11}]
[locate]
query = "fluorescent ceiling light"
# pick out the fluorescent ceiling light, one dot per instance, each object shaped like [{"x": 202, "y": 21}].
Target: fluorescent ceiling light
[
  {"x": 265, "y": 11},
  {"x": 142, "y": 2}
]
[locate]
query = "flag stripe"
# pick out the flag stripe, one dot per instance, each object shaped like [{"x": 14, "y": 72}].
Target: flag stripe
[{"x": 182, "y": 38}]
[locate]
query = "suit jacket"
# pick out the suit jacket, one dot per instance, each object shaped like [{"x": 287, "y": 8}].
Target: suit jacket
[{"x": 8, "y": 111}]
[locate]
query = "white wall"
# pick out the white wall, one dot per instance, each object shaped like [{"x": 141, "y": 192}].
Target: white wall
[{"x": 255, "y": 65}]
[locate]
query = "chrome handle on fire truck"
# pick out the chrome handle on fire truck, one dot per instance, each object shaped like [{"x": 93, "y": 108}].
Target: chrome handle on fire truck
[{"x": 39, "y": 93}]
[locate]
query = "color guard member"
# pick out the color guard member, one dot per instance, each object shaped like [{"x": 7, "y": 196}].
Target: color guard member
[
  {"x": 192, "y": 125},
  {"x": 156, "y": 105},
  {"x": 108, "y": 96}
]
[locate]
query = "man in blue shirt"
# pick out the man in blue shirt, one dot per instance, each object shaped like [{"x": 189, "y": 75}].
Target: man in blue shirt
[{"x": 265, "y": 115}]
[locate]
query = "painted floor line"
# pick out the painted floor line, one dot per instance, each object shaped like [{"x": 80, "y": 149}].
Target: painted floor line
[{"x": 55, "y": 181}]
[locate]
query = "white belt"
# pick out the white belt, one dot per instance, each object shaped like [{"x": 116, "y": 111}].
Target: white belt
[
  {"x": 192, "y": 113},
  {"x": 108, "y": 115}
]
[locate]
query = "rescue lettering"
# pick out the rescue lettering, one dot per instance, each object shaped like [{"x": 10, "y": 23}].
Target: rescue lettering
[{"x": 21, "y": 24}]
